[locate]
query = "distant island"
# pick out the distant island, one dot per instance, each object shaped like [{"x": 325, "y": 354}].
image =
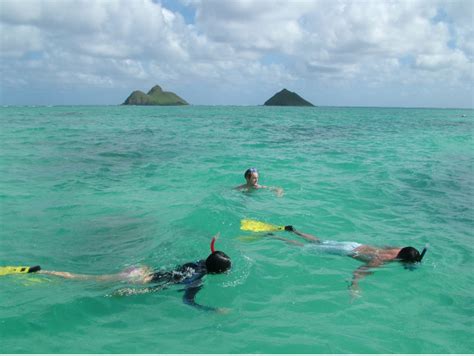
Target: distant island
[
  {"x": 287, "y": 98},
  {"x": 156, "y": 96}
]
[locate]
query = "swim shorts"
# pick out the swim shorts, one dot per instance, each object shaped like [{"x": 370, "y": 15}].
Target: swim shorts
[{"x": 343, "y": 248}]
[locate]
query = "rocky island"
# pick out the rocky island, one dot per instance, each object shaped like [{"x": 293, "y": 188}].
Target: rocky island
[
  {"x": 156, "y": 96},
  {"x": 287, "y": 98}
]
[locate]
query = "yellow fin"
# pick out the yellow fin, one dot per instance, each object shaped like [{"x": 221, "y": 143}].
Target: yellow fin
[
  {"x": 258, "y": 226},
  {"x": 13, "y": 270}
]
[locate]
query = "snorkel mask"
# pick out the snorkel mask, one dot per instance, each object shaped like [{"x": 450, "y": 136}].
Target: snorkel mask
[{"x": 414, "y": 265}]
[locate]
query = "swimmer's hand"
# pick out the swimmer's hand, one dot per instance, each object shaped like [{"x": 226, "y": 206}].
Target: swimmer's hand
[
  {"x": 223, "y": 311},
  {"x": 355, "y": 291},
  {"x": 279, "y": 192},
  {"x": 289, "y": 228}
]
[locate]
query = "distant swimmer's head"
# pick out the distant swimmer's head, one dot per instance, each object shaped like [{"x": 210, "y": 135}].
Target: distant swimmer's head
[
  {"x": 251, "y": 176},
  {"x": 218, "y": 262},
  {"x": 411, "y": 255}
]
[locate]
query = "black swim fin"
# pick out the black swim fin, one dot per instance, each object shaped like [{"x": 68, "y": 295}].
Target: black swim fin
[{"x": 34, "y": 269}]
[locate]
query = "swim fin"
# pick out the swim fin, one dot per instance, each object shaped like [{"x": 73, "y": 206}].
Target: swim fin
[
  {"x": 258, "y": 226},
  {"x": 5, "y": 270}
]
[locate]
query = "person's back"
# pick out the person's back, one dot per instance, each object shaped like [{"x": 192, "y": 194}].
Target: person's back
[
  {"x": 183, "y": 274},
  {"x": 367, "y": 253}
]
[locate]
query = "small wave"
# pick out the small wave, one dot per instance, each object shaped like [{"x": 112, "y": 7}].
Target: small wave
[{"x": 242, "y": 275}]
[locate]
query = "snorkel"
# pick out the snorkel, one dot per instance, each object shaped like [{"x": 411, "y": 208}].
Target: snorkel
[
  {"x": 213, "y": 241},
  {"x": 423, "y": 252},
  {"x": 217, "y": 261}
]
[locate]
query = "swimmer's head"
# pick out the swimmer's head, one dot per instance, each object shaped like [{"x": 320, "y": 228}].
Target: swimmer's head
[
  {"x": 218, "y": 262},
  {"x": 251, "y": 176},
  {"x": 410, "y": 254},
  {"x": 249, "y": 172}
]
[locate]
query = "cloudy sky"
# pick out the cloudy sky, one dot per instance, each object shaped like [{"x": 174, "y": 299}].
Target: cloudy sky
[{"x": 238, "y": 52}]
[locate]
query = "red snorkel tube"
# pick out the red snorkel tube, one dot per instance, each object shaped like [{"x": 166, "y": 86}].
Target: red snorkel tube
[{"x": 213, "y": 241}]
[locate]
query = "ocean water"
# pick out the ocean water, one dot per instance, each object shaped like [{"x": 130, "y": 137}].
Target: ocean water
[{"x": 99, "y": 189}]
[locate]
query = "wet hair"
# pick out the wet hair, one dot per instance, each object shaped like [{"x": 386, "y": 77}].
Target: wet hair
[
  {"x": 218, "y": 262},
  {"x": 409, "y": 254},
  {"x": 249, "y": 171}
]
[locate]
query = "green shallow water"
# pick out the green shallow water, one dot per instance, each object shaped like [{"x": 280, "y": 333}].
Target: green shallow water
[{"x": 98, "y": 189}]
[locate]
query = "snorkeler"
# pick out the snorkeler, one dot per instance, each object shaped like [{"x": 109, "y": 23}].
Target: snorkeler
[
  {"x": 251, "y": 178},
  {"x": 189, "y": 275},
  {"x": 371, "y": 255}
]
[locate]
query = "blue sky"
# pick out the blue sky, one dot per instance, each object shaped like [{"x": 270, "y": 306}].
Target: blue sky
[{"x": 413, "y": 53}]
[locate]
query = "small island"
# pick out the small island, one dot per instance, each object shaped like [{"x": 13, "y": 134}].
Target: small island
[
  {"x": 156, "y": 96},
  {"x": 287, "y": 98}
]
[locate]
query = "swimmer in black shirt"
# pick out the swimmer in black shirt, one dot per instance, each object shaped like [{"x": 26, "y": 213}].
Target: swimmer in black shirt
[{"x": 189, "y": 275}]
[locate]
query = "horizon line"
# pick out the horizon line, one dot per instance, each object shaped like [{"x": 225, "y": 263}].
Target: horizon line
[{"x": 243, "y": 105}]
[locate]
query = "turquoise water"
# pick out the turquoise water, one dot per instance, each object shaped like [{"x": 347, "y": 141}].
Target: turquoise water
[{"x": 98, "y": 189}]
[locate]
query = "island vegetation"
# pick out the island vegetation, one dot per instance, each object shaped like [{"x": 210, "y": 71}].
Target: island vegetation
[
  {"x": 287, "y": 98},
  {"x": 156, "y": 96}
]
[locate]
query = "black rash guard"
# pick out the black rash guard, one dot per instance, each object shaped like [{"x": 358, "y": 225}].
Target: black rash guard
[{"x": 190, "y": 275}]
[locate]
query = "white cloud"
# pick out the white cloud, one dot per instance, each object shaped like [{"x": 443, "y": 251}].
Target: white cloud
[
  {"x": 452, "y": 61},
  {"x": 460, "y": 16},
  {"x": 258, "y": 25},
  {"x": 264, "y": 43},
  {"x": 99, "y": 43},
  {"x": 121, "y": 29},
  {"x": 15, "y": 41},
  {"x": 332, "y": 37}
]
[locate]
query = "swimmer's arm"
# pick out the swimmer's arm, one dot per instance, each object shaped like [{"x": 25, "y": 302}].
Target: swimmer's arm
[
  {"x": 362, "y": 272},
  {"x": 277, "y": 190},
  {"x": 305, "y": 236},
  {"x": 190, "y": 295},
  {"x": 288, "y": 241}
]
